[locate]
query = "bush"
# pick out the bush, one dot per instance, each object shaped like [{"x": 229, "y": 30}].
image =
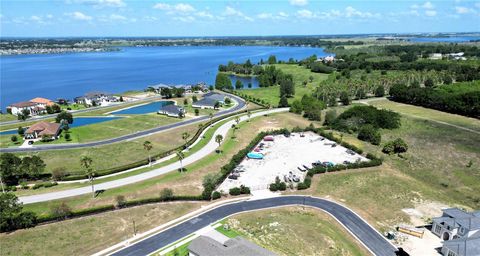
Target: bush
[
  {"x": 216, "y": 195},
  {"x": 330, "y": 117},
  {"x": 67, "y": 137},
  {"x": 370, "y": 134},
  {"x": 59, "y": 173},
  {"x": 120, "y": 201},
  {"x": 166, "y": 194},
  {"x": 356, "y": 116},
  {"x": 61, "y": 211},
  {"x": 380, "y": 91},
  {"x": 395, "y": 147},
  {"x": 344, "y": 98},
  {"x": 11, "y": 215},
  {"x": 244, "y": 190},
  {"x": 235, "y": 191}
]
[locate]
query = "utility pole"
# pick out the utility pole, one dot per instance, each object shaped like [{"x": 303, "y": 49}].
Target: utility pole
[{"x": 134, "y": 229}]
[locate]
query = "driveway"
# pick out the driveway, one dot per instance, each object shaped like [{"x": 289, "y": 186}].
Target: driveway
[
  {"x": 241, "y": 104},
  {"x": 209, "y": 148},
  {"x": 362, "y": 231}
]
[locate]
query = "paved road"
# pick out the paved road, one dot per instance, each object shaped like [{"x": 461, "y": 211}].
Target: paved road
[
  {"x": 209, "y": 148},
  {"x": 241, "y": 104},
  {"x": 43, "y": 117},
  {"x": 373, "y": 240}
]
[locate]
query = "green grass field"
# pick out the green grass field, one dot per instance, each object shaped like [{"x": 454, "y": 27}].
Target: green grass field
[
  {"x": 295, "y": 231},
  {"x": 300, "y": 74}
]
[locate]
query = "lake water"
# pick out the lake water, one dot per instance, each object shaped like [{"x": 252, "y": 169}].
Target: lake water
[
  {"x": 246, "y": 80},
  {"x": 53, "y": 76},
  {"x": 77, "y": 121},
  {"x": 144, "y": 109},
  {"x": 452, "y": 39}
]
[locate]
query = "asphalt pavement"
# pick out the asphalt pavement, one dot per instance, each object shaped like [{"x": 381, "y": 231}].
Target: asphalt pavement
[{"x": 373, "y": 240}]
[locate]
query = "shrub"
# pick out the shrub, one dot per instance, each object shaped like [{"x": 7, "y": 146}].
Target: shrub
[
  {"x": 61, "y": 211},
  {"x": 397, "y": 146},
  {"x": 380, "y": 91},
  {"x": 58, "y": 173},
  {"x": 166, "y": 194},
  {"x": 11, "y": 215},
  {"x": 344, "y": 98},
  {"x": 120, "y": 201},
  {"x": 356, "y": 116},
  {"x": 216, "y": 195},
  {"x": 14, "y": 138},
  {"x": 244, "y": 190},
  {"x": 235, "y": 191},
  {"x": 273, "y": 187},
  {"x": 370, "y": 134},
  {"x": 67, "y": 137},
  {"x": 330, "y": 117}
]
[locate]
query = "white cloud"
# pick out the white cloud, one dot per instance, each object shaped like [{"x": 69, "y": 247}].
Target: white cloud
[
  {"x": 428, "y": 5},
  {"x": 463, "y": 10},
  {"x": 117, "y": 17},
  {"x": 181, "y": 7},
  {"x": 299, "y": 2},
  {"x": 232, "y": 12},
  {"x": 99, "y": 3},
  {"x": 185, "y": 18},
  {"x": 162, "y": 6},
  {"x": 184, "y": 8},
  {"x": 414, "y": 6},
  {"x": 79, "y": 16},
  {"x": 304, "y": 13},
  {"x": 430, "y": 13},
  {"x": 282, "y": 14},
  {"x": 204, "y": 14},
  {"x": 267, "y": 15}
]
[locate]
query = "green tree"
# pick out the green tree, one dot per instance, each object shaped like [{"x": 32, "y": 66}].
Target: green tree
[
  {"x": 219, "y": 139},
  {"x": 234, "y": 128},
  {"x": 222, "y": 81},
  {"x": 21, "y": 131},
  {"x": 429, "y": 83},
  {"x": 14, "y": 138},
  {"x": 11, "y": 215},
  {"x": 238, "y": 85},
  {"x": 237, "y": 120},
  {"x": 32, "y": 166},
  {"x": 64, "y": 115},
  {"x": 209, "y": 182},
  {"x": 197, "y": 112},
  {"x": 147, "y": 145},
  {"x": 9, "y": 169},
  {"x": 272, "y": 60},
  {"x": 361, "y": 93},
  {"x": 185, "y": 137},
  {"x": 296, "y": 107},
  {"x": 210, "y": 116},
  {"x": 185, "y": 102},
  {"x": 310, "y": 78},
  {"x": 283, "y": 102},
  {"x": 217, "y": 105},
  {"x": 330, "y": 117},
  {"x": 249, "y": 114},
  {"x": 344, "y": 98},
  {"x": 194, "y": 98},
  {"x": 86, "y": 163},
  {"x": 380, "y": 91},
  {"x": 180, "y": 157},
  {"x": 369, "y": 133},
  {"x": 166, "y": 194},
  {"x": 24, "y": 114}
]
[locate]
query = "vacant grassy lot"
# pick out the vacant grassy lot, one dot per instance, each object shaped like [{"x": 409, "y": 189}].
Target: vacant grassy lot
[
  {"x": 300, "y": 74},
  {"x": 296, "y": 231},
  {"x": 189, "y": 182},
  {"x": 88, "y": 235},
  {"x": 441, "y": 165}
]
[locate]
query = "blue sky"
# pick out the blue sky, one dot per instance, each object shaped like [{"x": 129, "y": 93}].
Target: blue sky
[{"x": 233, "y": 18}]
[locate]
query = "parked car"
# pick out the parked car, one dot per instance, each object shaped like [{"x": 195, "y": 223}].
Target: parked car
[
  {"x": 295, "y": 178},
  {"x": 300, "y": 169},
  {"x": 233, "y": 177},
  {"x": 306, "y": 167}
]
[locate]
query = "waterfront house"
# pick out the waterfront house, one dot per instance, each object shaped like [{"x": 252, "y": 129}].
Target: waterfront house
[
  {"x": 172, "y": 111},
  {"x": 215, "y": 96},
  {"x": 17, "y": 108},
  {"x": 238, "y": 246},
  {"x": 96, "y": 99},
  {"x": 42, "y": 102},
  {"x": 41, "y": 129},
  {"x": 460, "y": 231},
  {"x": 205, "y": 103}
]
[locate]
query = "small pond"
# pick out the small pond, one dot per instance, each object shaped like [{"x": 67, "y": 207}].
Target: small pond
[
  {"x": 143, "y": 109},
  {"x": 246, "y": 81}
]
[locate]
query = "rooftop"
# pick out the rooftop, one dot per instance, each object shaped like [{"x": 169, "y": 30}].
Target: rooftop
[
  {"x": 42, "y": 101},
  {"x": 23, "y": 104},
  {"x": 206, "y": 246},
  {"x": 44, "y": 128},
  {"x": 172, "y": 109}
]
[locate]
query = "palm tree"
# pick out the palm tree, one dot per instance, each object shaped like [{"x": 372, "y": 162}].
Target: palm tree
[
  {"x": 237, "y": 120},
  {"x": 86, "y": 162},
  {"x": 219, "y": 139},
  {"x": 185, "y": 137},
  {"x": 147, "y": 145},
  {"x": 180, "y": 156},
  {"x": 249, "y": 114},
  {"x": 210, "y": 116},
  {"x": 233, "y": 130}
]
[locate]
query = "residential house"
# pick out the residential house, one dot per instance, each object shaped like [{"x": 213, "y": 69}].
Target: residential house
[
  {"x": 238, "y": 246},
  {"x": 42, "y": 102},
  {"x": 460, "y": 231},
  {"x": 205, "y": 103},
  {"x": 216, "y": 96},
  {"x": 172, "y": 111},
  {"x": 436, "y": 56},
  {"x": 158, "y": 88},
  {"x": 41, "y": 129},
  {"x": 17, "y": 108},
  {"x": 96, "y": 99}
]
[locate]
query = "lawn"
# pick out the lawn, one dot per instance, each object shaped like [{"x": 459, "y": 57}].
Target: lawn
[
  {"x": 295, "y": 231},
  {"x": 6, "y": 141},
  {"x": 189, "y": 182},
  {"x": 436, "y": 168},
  {"x": 7, "y": 117},
  {"x": 300, "y": 74},
  {"x": 88, "y": 235}
]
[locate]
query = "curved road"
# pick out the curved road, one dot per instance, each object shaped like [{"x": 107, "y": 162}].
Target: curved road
[
  {"x": 240, "y": 105},
  {"x": 209, "y": 148},
  {"x": 365, "y": 233}
]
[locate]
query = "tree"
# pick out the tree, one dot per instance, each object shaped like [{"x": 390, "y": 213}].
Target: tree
[
  {"x": 24, "y": 114},
  {"x": 361, "y": 93},
  {"x": 310, "y": 78},
  {"x": 64, "y": 115},
  {"x": 330, "y": 117},
  {"x": 210, "y": 115},
  {"x": 147, "y": 145},
  {"x": 283, "y": 102},
  {"x": 86, "y": 163},
  {"x": 234, "y": 128},
  {"x": 272, "y": 60},
  {"x": 180, "y": 156},
  {"x": 380, "y": 91},
  {"x": 197, "y": 112},
  {"x": 32, "y": 166},
  {"x": 219, "y": 139},
  {"x": 9, "y": 169},
  {"x": 217, "y": 105},
  {"x": 397, "y": 146},
  {"x": 369, "y": 133},
  {"x": 194, "y": 98},
  {"x": 185, "y": 137},
  {"x": 237, "y": 120},
  {"x": 344, "y": 98},
  {"x": 208, "y": 183},
  {"x": 238, "y": 85},
  {"x": 67, "y": 137},
  {"x": 58, "y": 173},
  {"x": 21, "y": 131},
  {"x": 222, "y": 81},
  {"x": 249, "y": 114},
  {"x": 11, "y": 215},
  {"x": 228, "y": 101},
  {"x": 14, "y": 138},
  {"x": 166, "y": 194},
  {"x": 296, "y": 107},
  {"x": 185, "y": 102},
  {"x": 121, "y": 99}
]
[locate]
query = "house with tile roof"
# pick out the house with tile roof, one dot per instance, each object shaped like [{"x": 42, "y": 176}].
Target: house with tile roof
[
  {"x": 42, "y": 129},
  {"x": 32, "y": 107}
]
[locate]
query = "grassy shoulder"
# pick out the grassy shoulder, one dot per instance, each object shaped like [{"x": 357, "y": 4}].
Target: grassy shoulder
[
  {"x": 441, "y": 165},
  {"x": 294, "y": 231},
  {"x": 88, "y": 235},
  {"x": 185, "y": 183},
  {"x": 272, "y": 94}
]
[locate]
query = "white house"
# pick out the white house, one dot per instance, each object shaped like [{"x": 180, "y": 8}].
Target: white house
[{"x": 34, "y": 108}]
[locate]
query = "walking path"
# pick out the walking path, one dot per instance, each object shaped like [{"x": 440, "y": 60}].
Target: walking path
[{"x": 210, "y": 147}]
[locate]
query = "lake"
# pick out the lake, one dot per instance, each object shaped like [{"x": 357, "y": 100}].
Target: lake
[
  {"x": 451, "y": 39},
  {"x": 53, "y": 76}
]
